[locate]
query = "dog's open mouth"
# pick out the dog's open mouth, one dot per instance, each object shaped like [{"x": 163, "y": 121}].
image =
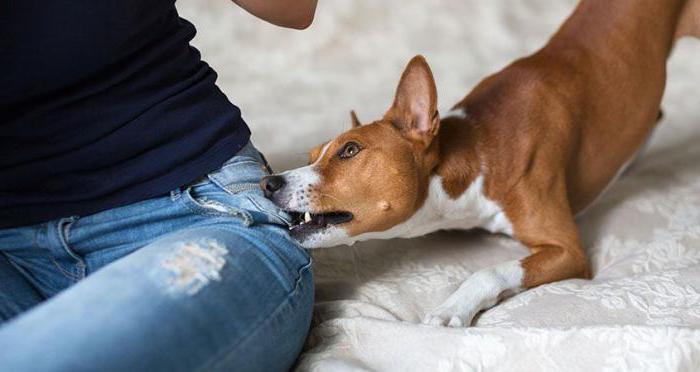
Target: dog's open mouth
[{"x": 308, "y": 222}]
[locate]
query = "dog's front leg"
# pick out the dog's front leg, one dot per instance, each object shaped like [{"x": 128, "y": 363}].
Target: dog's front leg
[
  {"x": 480, "y": 291},
  {"x": 549, "y": 231},
  {"x": 483, "y": 289}
]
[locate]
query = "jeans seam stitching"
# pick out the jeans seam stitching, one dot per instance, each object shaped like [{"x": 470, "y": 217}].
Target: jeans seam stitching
[
  {"x": 60, "y": 268},
  {"x": 215, "y": 362},
  {"x": 50, "y": 256}
]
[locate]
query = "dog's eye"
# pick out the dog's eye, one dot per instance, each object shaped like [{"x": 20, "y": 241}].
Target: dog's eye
[{"x": 349, "y": 150}]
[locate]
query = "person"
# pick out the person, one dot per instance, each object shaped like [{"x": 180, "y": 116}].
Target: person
[{"x": 133, "y": 234}]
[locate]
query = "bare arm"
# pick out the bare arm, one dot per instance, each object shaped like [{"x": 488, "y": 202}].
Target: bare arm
[{"x": 285, "y": 13}]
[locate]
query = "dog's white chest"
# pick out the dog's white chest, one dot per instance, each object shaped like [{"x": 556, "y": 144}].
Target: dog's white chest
[
  {"x": 469, "y": 210},
  {"x": 441, "y": 212}
]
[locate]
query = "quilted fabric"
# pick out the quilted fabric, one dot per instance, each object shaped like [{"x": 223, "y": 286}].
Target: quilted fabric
[{"x": 642, "y": 309}]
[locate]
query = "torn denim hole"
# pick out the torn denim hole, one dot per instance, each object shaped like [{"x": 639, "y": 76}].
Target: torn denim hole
[
  {"x": 215, "y": 205},
  {"x": 223, "y": 208},
  {"x": 193, "y": 265}
]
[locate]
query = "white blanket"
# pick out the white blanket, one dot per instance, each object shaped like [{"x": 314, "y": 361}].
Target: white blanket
[{"x": 642, "y": 309}]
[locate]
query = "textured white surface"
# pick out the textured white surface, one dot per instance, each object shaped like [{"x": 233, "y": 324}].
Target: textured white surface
[{"x": 642, "y": 310}]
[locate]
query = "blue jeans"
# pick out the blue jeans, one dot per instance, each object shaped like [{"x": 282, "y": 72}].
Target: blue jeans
[{"x": 204, "y": 279}]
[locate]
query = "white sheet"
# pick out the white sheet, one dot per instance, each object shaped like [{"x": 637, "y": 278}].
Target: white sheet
[{"x": 642, "y": 310}]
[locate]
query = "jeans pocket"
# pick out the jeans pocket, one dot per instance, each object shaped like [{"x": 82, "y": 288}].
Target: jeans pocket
[
  {"x": 236, "y": 184},
  {"x": 246, "y": 203},
  {"x": 271, "y": 212},
  {"x": 212, "y": 205}
]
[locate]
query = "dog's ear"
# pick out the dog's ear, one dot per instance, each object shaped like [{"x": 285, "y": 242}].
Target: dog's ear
[
  {"x": 355, "y": 121},
  {"x": 414, "y": 110}
]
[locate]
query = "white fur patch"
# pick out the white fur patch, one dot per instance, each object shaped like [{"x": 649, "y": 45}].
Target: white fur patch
[
  {"x": 328, "y": 237},
  {"x": 323, "y": 153},
  {"x": 297, "y": 194},
  {"x": 458, "y": 112},
  {"x": 480, "y": 291},
  {"x": 441, "y": 212}
]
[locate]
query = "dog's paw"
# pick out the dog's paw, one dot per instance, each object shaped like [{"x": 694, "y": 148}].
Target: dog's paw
[
  {"x": 450, "y": 317},
  {"x": 479, "y": 292}
]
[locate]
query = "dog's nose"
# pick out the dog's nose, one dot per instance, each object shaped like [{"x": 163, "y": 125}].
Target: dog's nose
[{"x": 270, "y": 184}]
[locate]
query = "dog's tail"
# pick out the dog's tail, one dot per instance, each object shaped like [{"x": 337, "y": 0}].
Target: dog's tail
[{"x": 689, "y": 22}]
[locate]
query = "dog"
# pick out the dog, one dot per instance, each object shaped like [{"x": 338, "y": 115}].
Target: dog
[{"x": 522, "y": 154}]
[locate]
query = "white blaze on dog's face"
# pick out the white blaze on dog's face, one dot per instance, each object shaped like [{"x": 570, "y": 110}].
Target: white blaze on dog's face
[{"x": 369, "y": 178}]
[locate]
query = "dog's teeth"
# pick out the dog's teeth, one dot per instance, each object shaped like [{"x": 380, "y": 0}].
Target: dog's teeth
[{"x": 307, "y": 217}]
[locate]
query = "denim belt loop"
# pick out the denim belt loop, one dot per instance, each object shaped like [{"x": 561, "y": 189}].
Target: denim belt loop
[{"x": 63, "y": 234}]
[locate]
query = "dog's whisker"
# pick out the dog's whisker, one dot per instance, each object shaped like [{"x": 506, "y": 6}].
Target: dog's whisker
[{"x": 328, "y": 196}]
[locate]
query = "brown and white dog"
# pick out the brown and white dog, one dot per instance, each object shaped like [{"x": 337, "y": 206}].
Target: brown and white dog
[{"x": 529, "y": 148}]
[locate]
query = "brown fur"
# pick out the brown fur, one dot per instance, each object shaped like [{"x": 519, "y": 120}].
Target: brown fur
[{"x": 555, "y": 127}]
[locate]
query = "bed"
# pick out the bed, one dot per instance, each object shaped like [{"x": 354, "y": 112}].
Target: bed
[{"x": 642, "y": 309}]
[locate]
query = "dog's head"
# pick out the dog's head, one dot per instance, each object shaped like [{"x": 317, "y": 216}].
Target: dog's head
[{"x": 370, "y": 178}]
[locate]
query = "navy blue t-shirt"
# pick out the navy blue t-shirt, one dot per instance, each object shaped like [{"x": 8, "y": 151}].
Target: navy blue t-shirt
[{"x": 103, "y": 103}]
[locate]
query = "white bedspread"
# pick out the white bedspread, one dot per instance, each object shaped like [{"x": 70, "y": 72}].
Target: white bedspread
[{"x": 642, "y": 309}]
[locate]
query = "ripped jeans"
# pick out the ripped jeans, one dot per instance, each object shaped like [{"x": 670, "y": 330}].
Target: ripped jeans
[{"x": 204, "y": 279}]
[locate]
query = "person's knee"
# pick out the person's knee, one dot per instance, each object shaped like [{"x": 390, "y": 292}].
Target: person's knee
[
  {"x": 266, "y": 285},
  {"x": 275, "y": 343}
]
